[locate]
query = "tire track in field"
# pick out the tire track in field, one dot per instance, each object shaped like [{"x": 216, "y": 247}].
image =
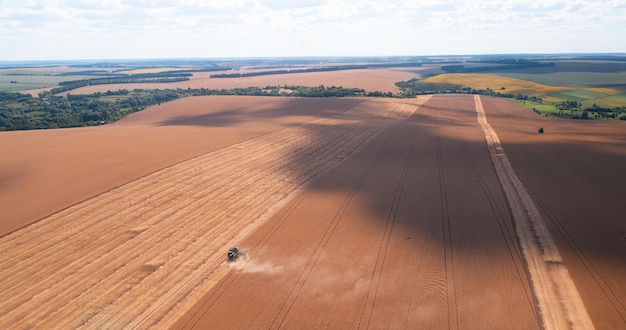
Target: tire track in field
[
  {"x": 291, "y": 299},
  {"x": 379, "y": 265},
  {"x": 508, "y": 234},
  {"x": 359, "y": 139},
  {"x": 326, "y": 160},
  {"x": 285, "y": 308},
  {"x": 416, "y": 286},
  {"x": 365, "y": 311},
  {"x": 559, "y": 303},
  {"x": 601, "y": 282},
  {"x": 450, "y": 281},
  {"x": 140, "y": 255}
]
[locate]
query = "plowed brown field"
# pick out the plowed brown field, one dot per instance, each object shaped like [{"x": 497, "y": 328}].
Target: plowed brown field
[{"x": 356, "y": 213}]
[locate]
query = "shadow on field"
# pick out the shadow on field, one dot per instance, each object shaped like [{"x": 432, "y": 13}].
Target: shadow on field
[
  {"x": 576, "y": 66},
  {"x": 263, "y": 111},
  {"x": 426, "y": 173},
  {"x": 434, "y": 169},
  {"x": 431, "y": 175}
]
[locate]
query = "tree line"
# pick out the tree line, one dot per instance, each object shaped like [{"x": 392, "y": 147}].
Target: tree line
[
  {"x": 69, "y": 85},
  {"x": 23, "y": 111},
  {"x": 594, "y": 111},
  {"x": 417, "y": 86}
]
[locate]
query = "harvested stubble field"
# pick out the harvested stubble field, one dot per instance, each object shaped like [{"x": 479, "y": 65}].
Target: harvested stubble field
[{"x": 355, "y": 213}]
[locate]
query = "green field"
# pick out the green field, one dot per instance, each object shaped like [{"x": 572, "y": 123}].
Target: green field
[
  {"x": 547, "y": 109},
  {"x": 19, "y": 79},
  {"x": 578, "y": 95},
  {"x": 599, "y": 86},
  {"x": 576, "y": 74},
  {"x": 618, "y": 98},
  {"x": 572, "y": 79},
  {"x": 25, "y": 82},
  {"x": 543, "y": 108},
  {"x": 550, "y": 109}
]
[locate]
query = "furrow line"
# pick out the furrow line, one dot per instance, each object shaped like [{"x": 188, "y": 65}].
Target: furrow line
[
  {"x": 508, "y": 235},
  {"x": 450, "y": 281},
  {"x": 383, "y": 247}
]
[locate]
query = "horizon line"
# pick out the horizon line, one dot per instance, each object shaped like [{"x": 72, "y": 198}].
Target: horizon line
[{"x": 224, "y": 58}]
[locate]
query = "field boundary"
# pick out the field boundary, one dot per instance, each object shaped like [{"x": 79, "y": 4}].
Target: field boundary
[{"x": 558, "y": 300}]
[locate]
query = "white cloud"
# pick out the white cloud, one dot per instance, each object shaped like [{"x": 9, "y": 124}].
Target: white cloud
[
  {"x": 290, "y": 4},
  {"x": 205, "y": 28}
]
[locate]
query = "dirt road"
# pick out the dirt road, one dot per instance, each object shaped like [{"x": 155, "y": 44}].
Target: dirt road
[
  {"x": 574, "y": 173},
  {"x": 560, "y": 305}
]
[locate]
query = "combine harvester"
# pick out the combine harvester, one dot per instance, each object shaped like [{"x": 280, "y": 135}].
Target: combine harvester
[{"x": 235, "y": 253}]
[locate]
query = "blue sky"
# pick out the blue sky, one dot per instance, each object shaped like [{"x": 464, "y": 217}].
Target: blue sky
[{"x": 114, "y": 29}]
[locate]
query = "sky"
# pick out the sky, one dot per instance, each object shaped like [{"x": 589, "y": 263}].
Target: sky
[{"x": 133, "y": 29}]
